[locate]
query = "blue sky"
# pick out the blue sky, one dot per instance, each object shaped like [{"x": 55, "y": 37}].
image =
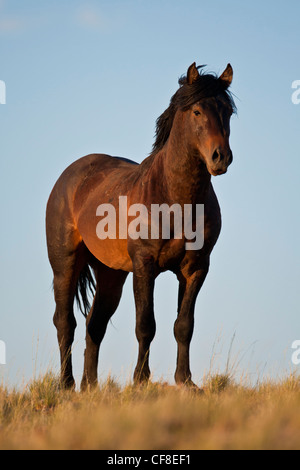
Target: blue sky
[{"x": 85, "y": 77}]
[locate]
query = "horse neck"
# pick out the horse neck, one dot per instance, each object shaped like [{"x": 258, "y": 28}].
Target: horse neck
[{"x": 185, "y": 175}]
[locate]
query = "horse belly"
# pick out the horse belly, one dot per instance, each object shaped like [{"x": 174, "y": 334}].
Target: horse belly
[{"x": 111, "y": 251}]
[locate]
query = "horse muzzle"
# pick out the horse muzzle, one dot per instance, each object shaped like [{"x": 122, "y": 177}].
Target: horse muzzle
[{"x": 220, "y": 162}]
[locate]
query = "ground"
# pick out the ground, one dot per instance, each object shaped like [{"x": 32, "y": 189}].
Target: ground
[{"x": 152, "y": 417}]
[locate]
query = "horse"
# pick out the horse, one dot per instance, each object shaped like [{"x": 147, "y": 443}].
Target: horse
[{"x": 191, "y": 145}]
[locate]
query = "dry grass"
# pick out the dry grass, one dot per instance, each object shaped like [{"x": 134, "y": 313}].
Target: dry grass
[{"x": 156, "y": 416}]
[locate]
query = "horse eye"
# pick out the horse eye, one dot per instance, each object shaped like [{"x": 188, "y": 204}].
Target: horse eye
[{"x": 197, "y": 113}]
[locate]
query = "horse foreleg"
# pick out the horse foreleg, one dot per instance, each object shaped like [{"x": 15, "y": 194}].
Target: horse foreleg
[
  {"x": 189, "y": 286},
  {"x": 143, "y": 285}
]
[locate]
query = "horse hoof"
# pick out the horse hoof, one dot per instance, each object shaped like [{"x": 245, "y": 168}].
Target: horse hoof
[{"x": 190, "y": 385}]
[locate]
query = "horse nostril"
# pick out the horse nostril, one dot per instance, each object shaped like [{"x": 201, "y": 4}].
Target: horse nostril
[{"x": 216, "y": 155}]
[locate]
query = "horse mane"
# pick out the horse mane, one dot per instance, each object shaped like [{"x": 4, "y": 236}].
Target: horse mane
[{"x": 207, "y": 85}]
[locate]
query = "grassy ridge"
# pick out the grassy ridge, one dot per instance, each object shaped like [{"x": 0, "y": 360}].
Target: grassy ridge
[{"x": 154, "y": 416}]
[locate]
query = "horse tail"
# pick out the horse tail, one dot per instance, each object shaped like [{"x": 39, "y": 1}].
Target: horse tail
[{"x": 86, "y": 285}]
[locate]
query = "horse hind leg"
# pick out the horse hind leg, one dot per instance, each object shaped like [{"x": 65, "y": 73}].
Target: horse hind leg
[
  {"x": 107, "y": 297},
  {"x": 66, "y": 268}
]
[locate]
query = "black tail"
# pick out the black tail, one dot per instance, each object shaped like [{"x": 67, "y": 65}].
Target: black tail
[{"x": 86, "y": 284}]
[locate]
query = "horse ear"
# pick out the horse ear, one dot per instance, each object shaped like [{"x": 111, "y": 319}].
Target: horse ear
[
  {"x": 192, "y": 73},
  {"x": 227, "y": 75}
]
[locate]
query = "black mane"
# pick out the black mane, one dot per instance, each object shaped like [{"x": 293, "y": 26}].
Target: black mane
[{"x": 207, "y": 85}]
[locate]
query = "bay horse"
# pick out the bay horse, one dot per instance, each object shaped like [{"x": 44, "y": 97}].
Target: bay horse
[{"x": 191, "y": 145}]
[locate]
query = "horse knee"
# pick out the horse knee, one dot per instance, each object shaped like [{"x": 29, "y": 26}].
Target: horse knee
[
  {"x": 145, "y": 329},
  {"x": 183, "y": 330}
]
